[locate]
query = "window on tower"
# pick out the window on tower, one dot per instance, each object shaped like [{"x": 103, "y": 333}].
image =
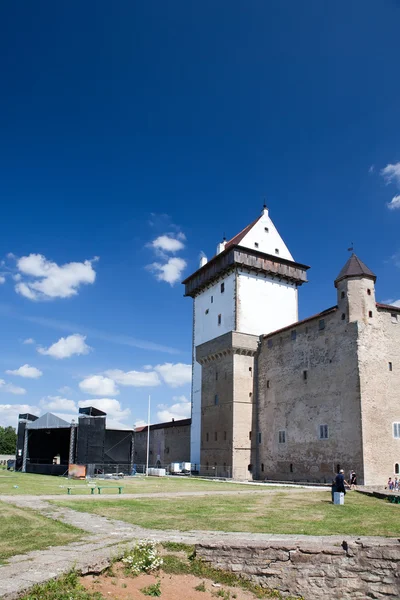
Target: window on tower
[
  {"x": 342, "y": 295},
  {"x": 277, "y": 251},
  {"x": 212, "y": 299},
  {"x": 255, "y": 244},
  {"x": 222, "y": 287},
  {"x": 266, "y": 229},
  {"x": 219, "y": 319}
]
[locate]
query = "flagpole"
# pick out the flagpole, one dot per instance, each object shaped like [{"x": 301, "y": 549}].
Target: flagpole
[{"x": 148, "y": 439}]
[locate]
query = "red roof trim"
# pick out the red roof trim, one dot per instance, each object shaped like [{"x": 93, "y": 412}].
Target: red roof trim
[
  {"x": 388, "y": 307},
  {"x": 239, "y": 236},
  {"x": 294, "y": 325}
]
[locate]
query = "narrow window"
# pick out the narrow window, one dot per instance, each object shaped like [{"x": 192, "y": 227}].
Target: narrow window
[
  {"x": 321, "y": 324},
  {"x": 219, "y": 319},
  {"x": 282, "y": 436},
  {"x": 396, "y": 430},
  {"x": 249, "y": 435},
  {"x": 369, "y": 292},
  {"x": 305, "y": 375},
  {"x": 342, "y": 295},
  {"x": 224, "y": 466},
  {"x": 370, "y": 314},
  {"x": 306, "y": 329},
  {"x": 207, "y": 466},
  {"x": 396, "y": 469},
  {"x": 215, "y": 464},
  {"x": 291, "y": 467},
  {"x": 277, "y": 251},
  {"x": 343, "y": 316},
  {"x": 293, "y": 334},
  {"x": 206, "y": 437},
  {"x": 393, "y": 317},
  {"x": 251, "y": 370},
  {"x": 216, "y": 375},
  {"x": 323, "y": 432},
  {"x": 207, "y": 311},
  {"x": 222, "y": 287},
  {"x": 224, "y": 436},
  {"x": 262, "y": 467},
  {"x": 250, "y": 394},
  {"x": 259, "y": 438},
  {"x": 390, "y": 366},
  {"x": 270, "y": 343},
  {"x": 215, "y": 436},
  {"x": 216, "y": 399},
  {"x": 266, "y": 229},
  {"x": 255, "y": 244},
  {"x": 268, "y": 383},
  {"x": 212, "y": 299},
  {"x": 338, "y": 468}
]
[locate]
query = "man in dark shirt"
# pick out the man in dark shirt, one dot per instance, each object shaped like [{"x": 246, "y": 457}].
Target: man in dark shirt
[{"x": 340, "y": 482}]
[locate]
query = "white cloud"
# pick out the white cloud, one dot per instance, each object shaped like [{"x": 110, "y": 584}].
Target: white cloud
[
  {"x": 371, "y": 169},
  {"x": 179, "y": 410},
  {"x": 2, "y": 279},
  {"x": 391, "y": 173},
  {"x": 9, "y": 413},
  {"x": 44, "y": 279},
  {"x": 29, "y": 341},
  {"x": 134, "y": 378},
  {"x": 394, "y": 203},
  {"x": 66, "y": 347},
  {"x": 109, "y": 405},
  {"x": 9, "y": 388},
  {"x": 17, "y": 277},
  {"x": 175, "y": 375},
  {"x": 171, "y": 271},
  {"x": 65, "y": 390},
  {"x": 167, "y": 243},
  {"x": 57, "y": 403},
  {"x": 97, "y": 385},
  {"x": 26, "y": 371},
  {"x": 139, "y": 423}
]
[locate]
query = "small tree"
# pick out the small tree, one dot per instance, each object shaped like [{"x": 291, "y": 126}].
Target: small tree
[{"x": 8, "y": 440}]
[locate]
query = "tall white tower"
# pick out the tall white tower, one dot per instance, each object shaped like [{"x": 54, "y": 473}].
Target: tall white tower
[{"x": 249, "y": 286}]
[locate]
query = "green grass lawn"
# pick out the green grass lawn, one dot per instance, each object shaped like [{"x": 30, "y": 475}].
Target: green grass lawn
[
  {"x": 23, "y": 530},
  {"x": 28, "y": 483},
  {"x": 291, "y": 511}
]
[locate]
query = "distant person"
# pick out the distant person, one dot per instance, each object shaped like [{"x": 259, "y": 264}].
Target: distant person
[
  {"x": 396, "y": 484},
  {"x": 353, "y": 479},
  {"x": 340, "y": 482},
  {"x": 390, "y": 483}
]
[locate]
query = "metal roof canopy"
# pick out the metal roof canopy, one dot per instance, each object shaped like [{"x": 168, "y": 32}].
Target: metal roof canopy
[{"x": 48, "y": 421}]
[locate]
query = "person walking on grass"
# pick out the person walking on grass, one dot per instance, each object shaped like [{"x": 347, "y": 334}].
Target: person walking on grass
[{"x": 340, "y": 482}]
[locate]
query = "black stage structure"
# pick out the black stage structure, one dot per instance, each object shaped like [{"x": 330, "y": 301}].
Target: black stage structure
[{"x": 49, "y": 445}]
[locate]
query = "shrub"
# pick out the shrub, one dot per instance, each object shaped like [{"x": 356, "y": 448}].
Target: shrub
[{"x": 142, "y": 558}]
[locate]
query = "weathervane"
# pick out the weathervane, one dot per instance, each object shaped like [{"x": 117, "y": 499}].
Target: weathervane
[{"x": 351, "y": 249}]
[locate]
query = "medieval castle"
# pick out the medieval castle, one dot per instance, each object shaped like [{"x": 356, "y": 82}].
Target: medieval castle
[{"x": 282, "y": 399}]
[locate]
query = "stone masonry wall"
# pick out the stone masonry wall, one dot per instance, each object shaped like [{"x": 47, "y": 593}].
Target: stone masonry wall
[
  {"x": 314, "y": 569},
  {"x": 308, "y": 377},
  {"x": 380, "y": 393}
]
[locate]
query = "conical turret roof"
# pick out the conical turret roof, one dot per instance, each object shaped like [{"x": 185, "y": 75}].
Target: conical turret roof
[{"x": 355, "y": 268}]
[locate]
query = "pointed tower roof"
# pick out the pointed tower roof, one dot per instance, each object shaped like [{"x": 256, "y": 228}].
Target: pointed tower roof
[
  {"x": 239, "y": 236},
  {"x": 355, "y": 268}
]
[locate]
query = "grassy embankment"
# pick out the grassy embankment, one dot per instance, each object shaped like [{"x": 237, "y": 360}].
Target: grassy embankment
[
  {"x": 289, "y": 511},
  {"x": 23, "y": 530}
]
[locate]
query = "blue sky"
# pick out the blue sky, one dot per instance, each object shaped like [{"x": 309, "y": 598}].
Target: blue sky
[{"x": 122, "y": 123}]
